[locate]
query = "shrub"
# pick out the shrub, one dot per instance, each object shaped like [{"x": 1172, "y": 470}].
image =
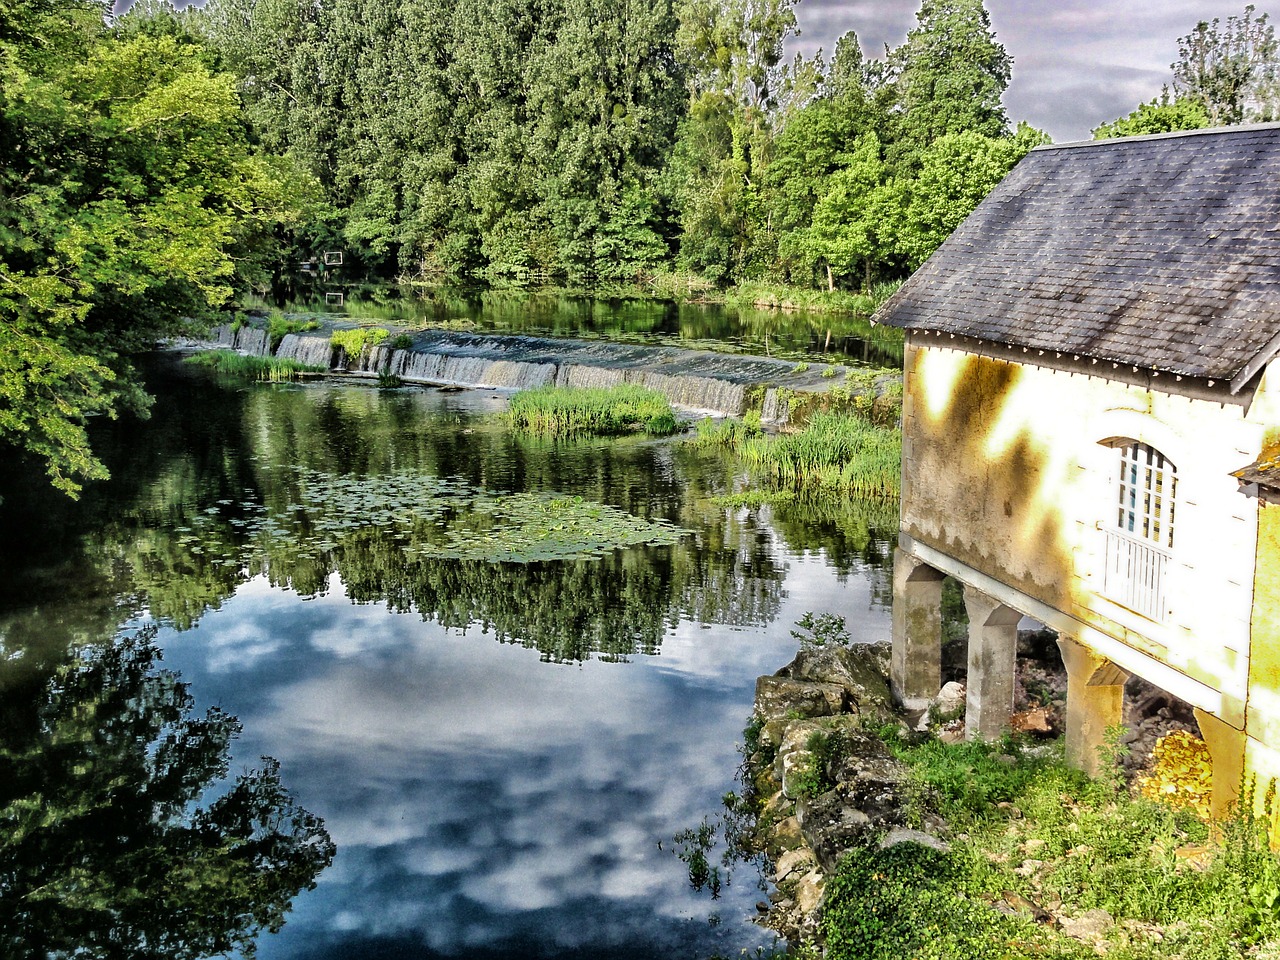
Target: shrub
[{"x": 234, "y": 365}]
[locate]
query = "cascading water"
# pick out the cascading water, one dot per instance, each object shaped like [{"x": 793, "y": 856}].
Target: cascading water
[{"x": 696, "y": 380}]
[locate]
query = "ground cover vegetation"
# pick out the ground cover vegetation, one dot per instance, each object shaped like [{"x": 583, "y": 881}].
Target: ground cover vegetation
[{"x": 1031, "y": 839}]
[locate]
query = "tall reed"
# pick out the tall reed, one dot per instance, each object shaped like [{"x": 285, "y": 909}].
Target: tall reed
[
  {"x": 838, "y": 452},
  {"x": 570, "y": 411},
  {"x": 228, "y": 363}
]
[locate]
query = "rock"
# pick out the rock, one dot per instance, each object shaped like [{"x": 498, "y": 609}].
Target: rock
[
  {"x": 786, "y": 836},
  {"x": 1089, "y": 926},
  {"x": 862, "y": 670},
  {"x": 1037, "y": 720},
  {"x": 809, "y": 892},
  {"x": 781, "y": 697},
  {"x": 771, "y": 733},
  {"x": 950, "y": 700},
  {"x": 906, "y": 835},
  {"x": 830, "y": 826},
  {"x": 1028, "y": 907},
  {"x": 801, "y": 858},
  {"x": 870, "y": 778},
  {"x": 795, "y": 760}
]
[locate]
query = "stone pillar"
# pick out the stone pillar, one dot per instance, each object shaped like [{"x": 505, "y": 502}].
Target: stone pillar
[
  {"x": 1095, "y": 701},
  {"x": 1226, "y": 751},
  {"x": 916, "y": 665},
  {"x": 993, "y": 649}
]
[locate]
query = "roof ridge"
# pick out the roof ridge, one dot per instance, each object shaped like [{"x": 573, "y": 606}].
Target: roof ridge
[{"x": 1203, "y": 131}]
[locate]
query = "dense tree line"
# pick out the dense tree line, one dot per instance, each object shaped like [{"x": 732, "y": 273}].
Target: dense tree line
[{"x": 591, "y": 141}]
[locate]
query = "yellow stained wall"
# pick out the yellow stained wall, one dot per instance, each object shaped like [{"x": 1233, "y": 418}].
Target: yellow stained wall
[
  {"x": 1004, "y": 469},
  {"x": 1262, "y": 759}
]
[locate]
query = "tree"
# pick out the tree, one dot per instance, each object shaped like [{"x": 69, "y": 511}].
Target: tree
[
  {"x": 1162, "y": 115},
  {"x": 956, "y": 174},
  {"x": 853, "y": 222},
  {"x": 1231, "y": 68},
  {"x": 952, "y": 73},
  {"x": 127, "y": 185},
  {"x": 120, "y": 838}
]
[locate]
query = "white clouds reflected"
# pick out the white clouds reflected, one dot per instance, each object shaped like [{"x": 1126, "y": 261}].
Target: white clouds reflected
[{"x": 482, "y": 797}]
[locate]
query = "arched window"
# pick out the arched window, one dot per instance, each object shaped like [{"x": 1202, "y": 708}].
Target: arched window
[
  {"x": 1139, "y": 545},
  {"x": 1148, "y": 485}
]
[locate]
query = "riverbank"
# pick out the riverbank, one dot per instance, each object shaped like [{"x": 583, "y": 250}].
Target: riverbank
[{"x": 884, "y": 840}]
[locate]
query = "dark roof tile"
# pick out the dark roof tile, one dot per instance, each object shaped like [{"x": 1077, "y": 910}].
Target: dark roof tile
[{"x": 1161, "y": 252}]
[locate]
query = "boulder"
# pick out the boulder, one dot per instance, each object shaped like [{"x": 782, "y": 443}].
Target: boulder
[
  {"x": 799, "y": 860},
  {"x": 794, "y": 758},
  {"x": 781, "y": 696},
  {"x": 862, "y": 670},
  {"x": 809, "y": 892},
  {"x": 906, "y": 835},
  {"x": 830, "y": 826}
]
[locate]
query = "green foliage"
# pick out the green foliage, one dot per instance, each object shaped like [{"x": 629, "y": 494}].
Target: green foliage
[
  {"x": 1024, "y": 824},
  {"x": 573, "y": 411},
  {"x": 356, "y": 340},
  {"x": 119, "y": 820},
  {"x": 279, "y": 326},
  {"x": 128, "y": 182},
  {"x": 905, "y": 902},
  {"x": 952, "y": 74},
  {"x": 1162, "y": 115},
  {"x": 229, "y": 363},
  {"x": 834, "y": 451},
  {"x": 1231, "y": 68},
  {"x": 824, "y": 629}
]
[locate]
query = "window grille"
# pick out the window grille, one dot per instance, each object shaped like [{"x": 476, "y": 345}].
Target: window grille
[
  {"x": 1147, "y": 490},
  {"x": 1138, "y": 549}
]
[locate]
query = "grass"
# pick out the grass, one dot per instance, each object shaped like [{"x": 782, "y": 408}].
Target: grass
[
  {"x": 573, "y": 411},
  {"x": 228, "y": 363},
  {"x": 1025, "y": 827},
  {"x": 838, "y": 452},
  {"x": 278, "y": 325}
]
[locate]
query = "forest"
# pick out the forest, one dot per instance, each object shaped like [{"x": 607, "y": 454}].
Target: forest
[{"x": 160, "y": 163}]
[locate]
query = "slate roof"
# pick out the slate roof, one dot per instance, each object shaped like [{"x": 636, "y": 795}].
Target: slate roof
[{"x": 1161, "y": 252}]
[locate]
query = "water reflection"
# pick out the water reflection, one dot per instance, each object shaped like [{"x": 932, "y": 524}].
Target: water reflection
[
  {"x": 765, "y": 332},
  {"x": 483, "y": 803},
  {"x": 113, "y": 838}
]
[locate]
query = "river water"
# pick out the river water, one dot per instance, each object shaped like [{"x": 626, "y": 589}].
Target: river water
[{"x": 502, "y": 752}]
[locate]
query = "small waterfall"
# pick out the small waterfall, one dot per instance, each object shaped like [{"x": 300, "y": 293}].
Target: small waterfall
[
  {"x": 774, "y": 411},
  {"x": 249, "y": 340},
  {"x": 314, "y": 351}
]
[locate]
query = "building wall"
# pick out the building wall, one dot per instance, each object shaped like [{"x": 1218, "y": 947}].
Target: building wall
[{"x": 1005, "y": 468}]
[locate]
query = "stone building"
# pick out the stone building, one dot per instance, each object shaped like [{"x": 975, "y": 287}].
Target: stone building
[{"x": 1091, "y": 426}]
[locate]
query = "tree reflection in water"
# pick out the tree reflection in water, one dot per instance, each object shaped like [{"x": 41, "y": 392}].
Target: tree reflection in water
[{"x": 119, "y": 834}]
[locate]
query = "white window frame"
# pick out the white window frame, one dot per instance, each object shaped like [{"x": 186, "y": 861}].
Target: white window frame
[{"x": 1140, "y": 543}]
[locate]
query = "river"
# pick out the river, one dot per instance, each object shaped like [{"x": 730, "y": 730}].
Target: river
[{"x": 501, "y": 752}]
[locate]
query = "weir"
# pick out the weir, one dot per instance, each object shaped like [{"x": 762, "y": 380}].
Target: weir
[{"x": 698, "y": 380}]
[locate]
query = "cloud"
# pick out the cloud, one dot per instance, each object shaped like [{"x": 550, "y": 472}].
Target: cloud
[{"x": 1077, "y": 63}]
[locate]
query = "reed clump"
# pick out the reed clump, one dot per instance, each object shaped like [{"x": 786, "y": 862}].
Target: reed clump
[
  {"x": 354, "y": 341},
  {"x": 239, "y": 366},
  {"x": 840, "y": 452},
  {"x": 579, "y": 411}
]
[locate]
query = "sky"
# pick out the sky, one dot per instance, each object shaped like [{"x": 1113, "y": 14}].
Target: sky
[{"x": 1076, "y": 63}]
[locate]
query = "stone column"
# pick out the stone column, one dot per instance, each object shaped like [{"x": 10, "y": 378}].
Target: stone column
[
  {"x": 1226, "y": 751},
  {"x": 993, "y": 648},
  {"x": 1095, "y": 701},
  {"x": 916, "y": 665}
]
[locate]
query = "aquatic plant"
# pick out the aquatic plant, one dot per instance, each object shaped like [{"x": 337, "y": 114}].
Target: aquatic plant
[
  {"x": 838, "y": 452},
  {"x": 280, "y": 324},
  {"x": 231, "y": 364},
  {"x": 355, "y": 340},
  {"x": 430, "y": 517},
  {"x": 574, "y": 411}
]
